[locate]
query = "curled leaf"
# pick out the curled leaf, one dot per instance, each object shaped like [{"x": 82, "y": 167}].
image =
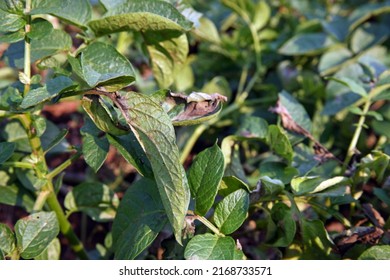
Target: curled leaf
[{"x": 189, "y": 109}]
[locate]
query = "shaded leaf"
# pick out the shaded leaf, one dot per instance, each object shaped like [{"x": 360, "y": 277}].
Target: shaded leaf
[
  {"x": 352, "y": 85},
  {"x": 204, "y": 177},
  {"x": 281, "y": 226},
  {"x": 6, "y": 151},
  {"x": 270, "y": 187},
  {"x": 210, "y": 247},
  {"x": 35, "y": 232},
  {"x": 278, "y": 170},
  {"x": 16, "y": 196},
  {"x": 279, "y": 143},
  {"x": 140, "y": 217},
  {"x": 337, "y": 27},
  {"x": 231, "y": 212},
  {"x": 332, "y": 60},
  {"x": 95, "y": 199},
  {"x": 95, "y": 150},
  {"x": 367, "y": 36},
  {"x": 230, "y": 184},
  {"x": 364, "y": 12},
  {"x": 253, "y": 127},
  {"x": 306, "y": 44},
  {"x": 316, "y": 241}
]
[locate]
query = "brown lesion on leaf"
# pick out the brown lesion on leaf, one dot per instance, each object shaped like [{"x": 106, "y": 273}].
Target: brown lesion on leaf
[
  {"x": 321, "y": 152},
  {"x": 197, "y": 104}
]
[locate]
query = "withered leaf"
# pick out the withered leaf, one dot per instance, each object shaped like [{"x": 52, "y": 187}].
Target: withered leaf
[
  {"x": 189, "y": 109},
  {"x": 322, "y": 153}
]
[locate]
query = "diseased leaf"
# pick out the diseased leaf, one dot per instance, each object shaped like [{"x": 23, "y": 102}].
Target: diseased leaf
[
  {"x": 154, "y": 131},
  {"x": 210, "y": 247},
  {"x": 140, "y": 217},
  {"x": 95, "y": 199},
  {"x": 189, "y": 110},
  {"x": 141, "y": 16},
  {"x": 35, "y": 232},
  {"x": 231, "y": 212},
  {"x": 204, "y": 177},
  {"x": 103, "y": 65}
]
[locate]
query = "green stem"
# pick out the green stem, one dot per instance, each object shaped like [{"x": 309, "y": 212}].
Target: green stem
[
  {"x": 27, "y": 48},
  {"x": 40, "y": 200},
  {"x": 356, "y": 135},
  {"x": 208, "y": 224},
  {"x": 19, "y": 164},
  {"x": 63, "y": 166}
]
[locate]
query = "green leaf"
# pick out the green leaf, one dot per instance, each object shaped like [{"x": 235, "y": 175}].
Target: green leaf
[
  {"x": 207, "y": 31},
  {"x": 168, "y": 53},
  {"x": 57, "y": 140},
  {"x": 12, "y": 37},
  {"x": 16, "y": 196},
  {"x": 52, "y": 89},
  {"x": 309, "y": 185},
  {"x": 154, "y": 131},
  {"x": 378, "y": 252},
  {"x": 103, "y": 115},
  {"x": 382, "y": 195},
  {"x": 52, "y": 252},
  {"x": 278, "y": 170},
  {"x": 351, "y": 84},
  {"x": 231, "y": 212},
  {"x": 281, "y": 227},
  {"x": 339, "y": 103},
  {"x": 14, "y": 132},
  {"x": 364, "y": 12},
  {"x": 333, "y": 59},
  {"x": 35, "y": 232},
  {"x": 270, "y": 187},
  {"x": 111, "y": 70},
  {"x": 262, "y": 14},
  {"x": 6, "y": 151},
  {"x": 140, "y": 217},
  {"x": 95, "y": 150},
  {"x": 7, "y": 239},
  {"x": 337, "y": 27},
  {"x": 306, "y": 44},
  {"x": 367, "y": 36},
  {"x": 253, "y": 127},
  {"x": 55, "y": 41},
  {"x": 95, "y": 199},
  {"x": 279, "y": 143},
  {"x": 11, "y": 22},
  {"x": 39, "y": 28},
  {"x": 317, "y": 244},
  {"x": 75, "y": 12},
  {"x": 132, "y": 151},
  {"x": 204, "y": 178},
  {"x": 230, "y": 184},
  {"x": 141, "y": 16},
  {"x": 210, "y": 247}
]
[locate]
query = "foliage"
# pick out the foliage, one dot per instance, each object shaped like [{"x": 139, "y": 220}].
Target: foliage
[{"x": 246, "y": 165}]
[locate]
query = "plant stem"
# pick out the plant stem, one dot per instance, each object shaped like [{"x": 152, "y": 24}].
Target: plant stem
[
  {"x": 208, "y": 224},
  {"x": 47, "y": 193},
  {"x": 63, "y": 165},
  {"x": 27, "y": 48},
  {"x": 19, "y": 164},
  {"x": 356, "y": 135}
]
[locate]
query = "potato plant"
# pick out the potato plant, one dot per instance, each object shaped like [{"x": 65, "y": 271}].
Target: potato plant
[{"x": 254, "y": 129}]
